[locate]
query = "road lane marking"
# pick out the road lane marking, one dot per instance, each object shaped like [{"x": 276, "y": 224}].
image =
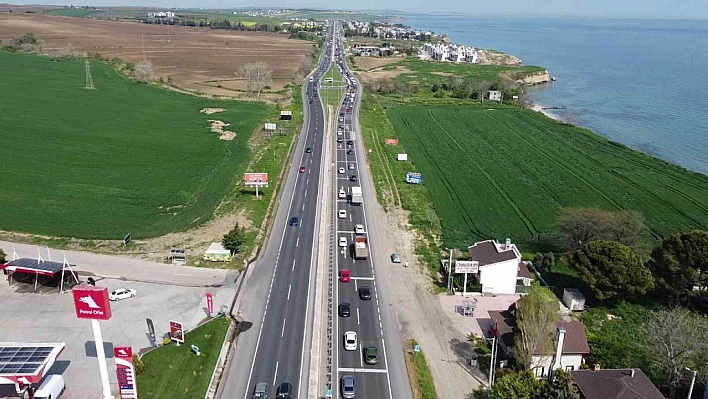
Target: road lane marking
[
  {"x": 357, "y": 317},
  {"x": 293, "y": 269},
  {"x": 291, "y": 286},
  {"x": 274, "y": 375},
  {"x": 361, "y": 370},
  {"x": 356, "y": 288},
  {"x": 282, "y": 331},
  {"x": 303, "y": 209},
  {"x": 363, "y": 278},
  {"x": 305, "y": 192},
  {"x": 361, "y": 356}
]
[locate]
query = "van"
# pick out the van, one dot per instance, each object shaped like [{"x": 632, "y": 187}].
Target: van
[{"x": 51, "y": 388}]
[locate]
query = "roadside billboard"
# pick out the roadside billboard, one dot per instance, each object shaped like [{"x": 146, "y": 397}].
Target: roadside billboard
[
  {"x": 125, "y": 372},
  {"x": 414, "y": 178},
  {"x": 402, "y": 157},
  {"x": 466, "y": 266},
  {"x": 92, "y": 302},
  {"x": 391, "y": 141},
  {"x": 177, "y": 331},
  {"x": 255, "y": 179}
]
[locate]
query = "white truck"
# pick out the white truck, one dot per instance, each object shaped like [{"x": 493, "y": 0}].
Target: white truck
[{"x": 357, "y": 196}]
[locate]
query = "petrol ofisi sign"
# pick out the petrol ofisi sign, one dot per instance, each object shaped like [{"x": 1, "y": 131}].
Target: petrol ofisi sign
[
  {"x": 92, "y": 302},
  {"x": 125, "y": 372}
]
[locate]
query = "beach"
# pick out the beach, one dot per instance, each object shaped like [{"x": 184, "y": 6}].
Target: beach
[{"x": 539, "y": 108}]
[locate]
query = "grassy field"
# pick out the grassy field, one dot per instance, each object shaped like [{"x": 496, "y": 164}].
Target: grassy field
[
  {"x": 496, "y": 173},
  {"x": 73, "y": 12},
  {"x": 419, "y": 373},
  {"x": 176, "y": 372},
  {"x": 332, "y": 92},
  {"x": 124, "y": 158}
]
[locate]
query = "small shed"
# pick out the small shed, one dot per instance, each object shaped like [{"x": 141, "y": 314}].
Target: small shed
[
  {"x": 217, "y": 253},
  {"x": 494, "y": 95},
  {"x": 573, "y": 299}
]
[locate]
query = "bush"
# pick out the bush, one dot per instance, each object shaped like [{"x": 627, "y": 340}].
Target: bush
[
  {"x": 2, "y": 256},
  {"x": 234, "y": 239},
  {"x": 139, "y": 365},
  {"x": 166, "y": 341}
]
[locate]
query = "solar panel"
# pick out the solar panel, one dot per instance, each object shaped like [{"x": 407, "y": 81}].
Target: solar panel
[{"x": 27, "y": 359}]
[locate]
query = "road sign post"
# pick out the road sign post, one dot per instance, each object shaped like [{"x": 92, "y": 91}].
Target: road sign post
[{"x": 125, "y": 372}]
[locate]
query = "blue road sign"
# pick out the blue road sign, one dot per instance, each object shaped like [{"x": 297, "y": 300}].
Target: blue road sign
[
  {"x": 329, "y": 393},
  {"x": 416, "y": 348},
  {"x": 414, "y": 178}
]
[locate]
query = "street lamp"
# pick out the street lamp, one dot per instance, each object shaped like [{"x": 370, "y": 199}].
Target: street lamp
[{"x": 693, "y": 381}]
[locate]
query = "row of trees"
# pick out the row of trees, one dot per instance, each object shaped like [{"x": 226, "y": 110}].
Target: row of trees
[{"x": 462, "y": 88}]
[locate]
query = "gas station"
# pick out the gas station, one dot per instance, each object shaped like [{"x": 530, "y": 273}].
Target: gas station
[{"x": 25, "y": 364}]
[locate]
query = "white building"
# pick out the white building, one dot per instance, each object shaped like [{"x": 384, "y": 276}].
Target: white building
[
  {"x": 451, "y": 52},
  {"x": 161, "y": 14},
  {"x": 494, "y": 95},
  {"x": 500, "y": 266}
]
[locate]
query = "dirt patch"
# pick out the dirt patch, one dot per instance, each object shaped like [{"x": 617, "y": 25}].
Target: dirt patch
[
  {"x": 443, "y": 73},
  {"x": 196, "y": 59},
  {"x": 218, "y": 127},
  {"x": 488, "y": 57},
  {"x": 381, "y": 74},
  {"x": 369, "y": 63},
  {"x": 210, "y": 111}
]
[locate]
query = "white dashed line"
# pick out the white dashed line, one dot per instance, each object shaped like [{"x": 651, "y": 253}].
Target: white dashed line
[
  {"x": 282, "y": 331},
  {"x": 291, "y": 286}
]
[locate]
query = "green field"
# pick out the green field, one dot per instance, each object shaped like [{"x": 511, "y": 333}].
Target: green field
[
  {"x": 173, "y": 371},
  {"x": 124, "y": 158},
  {"x": 332, "y": 92},
  {"x": 496, "y": 173},
  {"x": 73, "y": 12}
]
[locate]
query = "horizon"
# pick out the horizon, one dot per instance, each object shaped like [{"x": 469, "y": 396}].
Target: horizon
[{"x": 601, "y": 9}]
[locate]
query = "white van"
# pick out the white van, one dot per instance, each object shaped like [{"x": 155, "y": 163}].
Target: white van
[{"x": 51, "y": 388}]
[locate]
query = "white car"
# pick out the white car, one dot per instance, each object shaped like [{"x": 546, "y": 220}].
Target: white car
[
  {"x": 350, "y": 341},
  {"x": 121, "y": 293},
  {"x": 359, "y": 229},
  {"x": 342, "y": 213},
  {"x": 342, "y": 241},
  {"x": 339, "y": 132},
  {"x": 312, "y": 79},
  {"x": 342, "y": 193},
  {"x": 341, "y": 171}
]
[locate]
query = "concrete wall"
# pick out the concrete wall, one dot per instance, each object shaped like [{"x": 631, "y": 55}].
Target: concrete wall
[{"x": 499, "y": 278}]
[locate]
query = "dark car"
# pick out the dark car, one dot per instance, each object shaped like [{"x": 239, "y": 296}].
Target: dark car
[
  {"x": 345, "y": 309},
  {"x": 350, "y": 151},
  {"x": 285, "y": 391},
  {"x": 350, "y": 142},
  {"x": 302, "y": 169},
  {"x": 365, "y": 292},
  {"x": 308, "y": 150},
  {"x": 371, "y": 355},
  {"x": 352, "y": 178},
  {"x": 347, "y": 387},
  {"x": 294, "y": 221},
  {"x": 339, "y": 140},
  {"x": 312, "y": 101}
]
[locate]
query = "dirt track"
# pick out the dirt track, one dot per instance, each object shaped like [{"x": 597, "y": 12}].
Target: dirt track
[{"x": 195, "y": 58}]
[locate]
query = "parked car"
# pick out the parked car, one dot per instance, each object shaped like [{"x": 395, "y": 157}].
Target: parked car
[
  {"x": 345, "y": 276},
  {"x": 347, "y": 387},
  {"x": 285, "y": 391},
  {"x": 350, "y": 343},
  {"x": 294, "y": 221},
  {"x": 51, "y": 388},
  {"x": 345, "y": 309},
  {"x": 396, "y": 257},
  {"x": 121, "y": 293},
  {"x": 364, "y": 293}
]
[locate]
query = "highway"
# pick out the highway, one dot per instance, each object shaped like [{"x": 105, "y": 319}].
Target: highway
[
  {"x": 277, "y": 305},
  {"x": 369, "y": 318}
]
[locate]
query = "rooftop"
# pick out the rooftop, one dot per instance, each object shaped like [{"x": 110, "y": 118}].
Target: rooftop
[
  {"x": 615, "y": 384},
  {"x": 489, "y": 252}
]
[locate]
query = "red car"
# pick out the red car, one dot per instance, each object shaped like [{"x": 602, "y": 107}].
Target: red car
[
  {"x": 302, "y": 169},
  {"x": 345, "y": 276},
  {"x": 349, "y": 109}
]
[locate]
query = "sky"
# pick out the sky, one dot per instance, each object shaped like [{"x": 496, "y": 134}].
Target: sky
[{"x": 673, "y": 9}]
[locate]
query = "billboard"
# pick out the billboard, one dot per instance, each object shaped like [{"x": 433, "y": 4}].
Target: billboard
[
  {"x": 286, "y": 115},
  {"x": 177, "y": 331},
  {"x": 270, "y": 126},
  {"x": 402, "y": 157},
  {"x": 210, "y": 303},
  {"x": 125, "y": 372},
  {"x": 92, "y": 302},
  {"x": 391, "y": 141},
  {"x": 466, "y": 266},
  {"x": 414, "y": 178},
  {"x": 255, "y": 179}
]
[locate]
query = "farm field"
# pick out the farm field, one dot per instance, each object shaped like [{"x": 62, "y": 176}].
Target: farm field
[
  {"x": 124, "y": 158},
  {"x": 199, "y": 59},
  {"x": 496, "y": 173}
]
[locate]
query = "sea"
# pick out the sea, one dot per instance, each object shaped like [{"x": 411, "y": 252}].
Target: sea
[{"x": 643, "y": 83}]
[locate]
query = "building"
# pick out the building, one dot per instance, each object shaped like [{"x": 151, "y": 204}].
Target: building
[
  {"x": 571, "y": 344},
  {"x": 451, "y": 52},
  {"x": 217, "y": 253},
  {"x": 494, "y": 95},
  {"x": 573, "y": 299},
  {"x": 499, "y": 267},
  {"x": 615, "y": 384},
  {"x": 161, "y": 15}
]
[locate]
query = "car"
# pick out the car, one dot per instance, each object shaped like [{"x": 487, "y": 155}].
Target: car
[
  {"x": 342, "y": 214},
  {"x": 339, "y": 140},
  {"x": 351, "y": 166},
  {"x": 341, "y": 119},
  {"x": 364, "y": 292},
  {"x": 285, "y": 391},
  {"x": 345, "y": 309},
  {"x": 308, "y": 150},
  {"x": 294, "y": 221},
  {"x": 350, "y": 343},
  {"x": 342, "y": 241},
  {"x": 341, "y": 114},
  {"x": 352, "y": 178},
  {"x": 350, "y": 151},
  {"x": 302, "y": 169},
  {"x": 312, "y": 101},
  {"x": 396, "y": 257},
  {"x": 350, "y": 142},
  {"x": 121, "y": 293},
  {"x": 341, "y": 171},
  {"x": 359, "y": 229},
  {"x": 260, "y": 391},
  {"x": 340, "y": 132},
  {"x": 349, "y": 109},
  {"x": 347, "y": 387},
  {"x": 345, "y": 276},
  {"x": 312, "y": 79},
  {"x": 342, "y": 193},
  {"x": 371, "y": 355}
]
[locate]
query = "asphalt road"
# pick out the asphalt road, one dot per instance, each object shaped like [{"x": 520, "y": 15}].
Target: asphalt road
[
  {"x": 370, "y": 319},
  {"x": 278, "y": 301}
]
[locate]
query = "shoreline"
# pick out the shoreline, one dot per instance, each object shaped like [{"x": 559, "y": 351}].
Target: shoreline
[{"x": 548, "y": 113}]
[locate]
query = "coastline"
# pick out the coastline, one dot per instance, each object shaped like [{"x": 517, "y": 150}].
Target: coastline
[{"x": 539, "y": 108}]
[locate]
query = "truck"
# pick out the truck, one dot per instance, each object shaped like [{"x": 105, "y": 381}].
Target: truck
[
  {"x": 360, "y": 250},
  {"x": 357, "y": 196}
]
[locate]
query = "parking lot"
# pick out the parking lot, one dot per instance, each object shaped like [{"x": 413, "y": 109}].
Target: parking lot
[{"x": 47, "y": 316}]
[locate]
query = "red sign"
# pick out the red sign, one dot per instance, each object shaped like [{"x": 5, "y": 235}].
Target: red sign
[
  {"x": 210, "y": 303},
  {"x": 255, "y": 179},
  {"x": 92, "y": 302},
  {"x": 125, "y": 371},
  {"x": 391, "y": 141},
  {"x": 176, "y": 331}
]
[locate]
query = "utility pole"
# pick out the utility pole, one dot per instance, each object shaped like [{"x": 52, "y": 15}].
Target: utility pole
[
  {"x": 449, "y": 272},
  {"x": 693, "y": 381}
]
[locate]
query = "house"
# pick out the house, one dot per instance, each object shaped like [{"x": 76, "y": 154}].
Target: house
[
  {"x": 615, "y": 384},
  {"x": 217, "y": 253},
  {"x": 494, "y": 95},
  {"x": 571, "y": 344},
  {"x": 500, "y": 268}
]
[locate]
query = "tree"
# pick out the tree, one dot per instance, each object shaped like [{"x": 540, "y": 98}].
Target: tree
[
  {"x": 561, "y": 387},
  {"x": 144, "y": 71},
  {"x": 677, "y": 340},
  {"x": 2, "y": 256},
  {"x": 610, "y": 269},
  {"x": 523, "y": 385},
  {"x": 681, "y": 263},
  {"x": 257, "y": 75},
  {"x": 234, "y": 239},
  {"x": 580, "y": 226},
  {"x": 536, "y": 318},
  {"x": 544, "y": 262}
]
